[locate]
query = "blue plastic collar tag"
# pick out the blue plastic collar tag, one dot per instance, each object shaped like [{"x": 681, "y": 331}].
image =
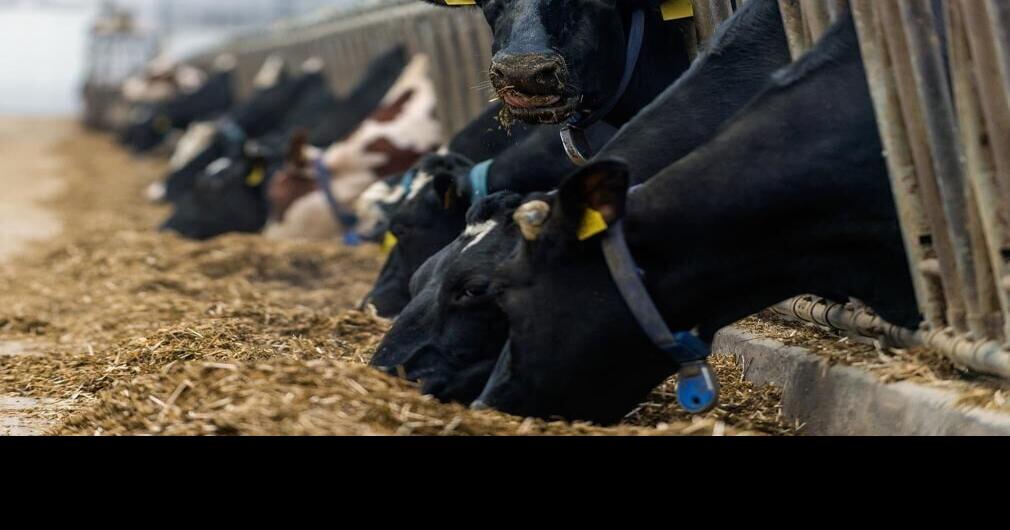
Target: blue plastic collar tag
[{"x": 478, "y": 179}]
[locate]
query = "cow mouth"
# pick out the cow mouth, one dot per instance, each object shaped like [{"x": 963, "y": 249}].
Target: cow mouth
[{"x": 538, "y": 108}]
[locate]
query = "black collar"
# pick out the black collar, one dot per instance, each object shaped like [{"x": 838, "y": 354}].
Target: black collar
[
  {"x": 573, "y": 135},
  {"x": 698, "y": 387}
]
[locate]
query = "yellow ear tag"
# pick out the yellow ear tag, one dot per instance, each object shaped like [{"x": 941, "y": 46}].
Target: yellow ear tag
[
  {"x": 255, "y": 177},
  {"x": 389, "y": 243},
  {"x": 677, "y": 9},
  {"x": 593, "y": 224},
  {"x": 460, "y": 2}
]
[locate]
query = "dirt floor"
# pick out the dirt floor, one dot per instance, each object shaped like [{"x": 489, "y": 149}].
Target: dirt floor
[{"x": 111, "y": 328}]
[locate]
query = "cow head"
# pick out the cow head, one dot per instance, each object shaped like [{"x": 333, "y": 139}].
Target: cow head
[
  {"x": 451, "y": 333},
  {"x": 574, "y": 350},
  {"x": 430, "y": 214},
  {"x": 553, "y": 57},
  {"x": 227, "y": 197}
]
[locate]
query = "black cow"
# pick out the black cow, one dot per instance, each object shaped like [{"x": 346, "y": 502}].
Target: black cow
[
  {"x": 268, "y": 110},
  {"x": 734, "y": 68},
  {"x": 795, "y": 199},
  {"x": 705, "y": 95},
  {"x": 229, "y": 194},
  {"x": 151, "y": 124},
  {"x": 555, "y": 58},
  {"x": 482, "y": 139},
  {"x": 434, "y": 211}
]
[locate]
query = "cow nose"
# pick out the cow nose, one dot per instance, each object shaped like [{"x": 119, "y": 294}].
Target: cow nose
[
  {"x": 479, "y": 405},
  {"x": 537, "y": 73}
]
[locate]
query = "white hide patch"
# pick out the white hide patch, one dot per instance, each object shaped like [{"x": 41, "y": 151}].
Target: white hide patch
[
  {"x": 478, "y": 232},
  {"x": 313, "y": 65},
  {"x": 420, "y": 181},
  {"x": 395, "y": 195},
  {"x": 156, "y": 192},
  {"x": 218, "y": 166},
  {"x": 225, "y": 63},
  {"x": 414, "y": 129},
  {"x": 196, "y": 140},
  {"x": 189, "y": 79},
  {"x": 367, "y": 206},
  {"x": 270, "y": 72}
]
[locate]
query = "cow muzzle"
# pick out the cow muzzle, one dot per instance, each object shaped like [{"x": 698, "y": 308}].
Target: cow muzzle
[{"x": 534, "y": 86}]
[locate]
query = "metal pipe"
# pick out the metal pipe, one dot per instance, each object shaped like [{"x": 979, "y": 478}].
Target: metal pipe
[
  {"x": 816, "y": 18},
  {"x": 792, "y": 21},
  {"x": 988, "y": 357}
]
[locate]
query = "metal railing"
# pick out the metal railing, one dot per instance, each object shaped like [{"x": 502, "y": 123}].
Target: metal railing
[{"x": 111, "y": 57}]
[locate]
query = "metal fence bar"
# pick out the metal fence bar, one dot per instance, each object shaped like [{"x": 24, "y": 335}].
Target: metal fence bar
[
  {"x": 816, "y": 18},
  {"x": 901, "y": 166},
  {"x": 792, "y": 20},
  {"x": 891, "y": 26},
  {"x": 937, "y": 108},
  {"x": 979, "y": 111}
]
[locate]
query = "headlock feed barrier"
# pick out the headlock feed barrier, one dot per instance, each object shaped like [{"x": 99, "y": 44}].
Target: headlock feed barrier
[
  {"x": 116, "y": 49},
  {"x": 939, "y": 72}
]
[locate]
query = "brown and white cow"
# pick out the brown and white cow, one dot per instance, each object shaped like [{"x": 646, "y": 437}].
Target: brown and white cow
[{"x": 389, "y": 142}]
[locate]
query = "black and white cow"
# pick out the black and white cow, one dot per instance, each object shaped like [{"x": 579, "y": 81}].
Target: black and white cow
[
  {"x": 791, "y": 197},
  {"x": 396, "y": 134},
  {"x": 481, "y": 139},
  {"x": 433, "y": 211},
  {"x": 554, "y": 59},
  {"x": 264, "y": 113},
  {"x": 151, "y": 124},
  {"x": 229, "y": 194}
]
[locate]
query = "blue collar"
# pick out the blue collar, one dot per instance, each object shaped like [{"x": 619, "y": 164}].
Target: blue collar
[
  {"x": 231, "y": 131},
  {"x": 341, "y": 215},
  {"x": 698, "y": 386},
  {"x": 478, "y": 180},
  {"x": 573, "y": 135},
  {"x": 408, "y": 179}
]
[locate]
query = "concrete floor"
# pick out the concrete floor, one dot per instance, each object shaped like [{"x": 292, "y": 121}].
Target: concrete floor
[{"x": 30, "y": 176}]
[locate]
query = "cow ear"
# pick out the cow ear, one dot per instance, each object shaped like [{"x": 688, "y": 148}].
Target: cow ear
[
  {"x": 445, "y": 190},
  {"x": 296, "y": 147},
  {"x": 594, "y": 197}
]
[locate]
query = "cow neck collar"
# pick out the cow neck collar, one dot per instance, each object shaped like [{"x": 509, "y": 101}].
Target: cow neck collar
[
  {"x": 232, "y": 131},
  {"x": 698, "y": 387},
  {"x": 573, "y": 135},
  {"x": 479, "y": 181},
  {"x": 341, "y": 215}
]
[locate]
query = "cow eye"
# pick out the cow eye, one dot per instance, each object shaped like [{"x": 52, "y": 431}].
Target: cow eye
[{"x": 473, "y": 290}]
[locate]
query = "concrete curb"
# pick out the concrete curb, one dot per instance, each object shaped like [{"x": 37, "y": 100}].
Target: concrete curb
[{"x": 841, "y": 400}]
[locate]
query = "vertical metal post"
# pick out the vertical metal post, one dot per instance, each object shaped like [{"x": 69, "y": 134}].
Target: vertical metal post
[
  {"x": 901, "y": 167},
  {"x": 937, "y": 108}
]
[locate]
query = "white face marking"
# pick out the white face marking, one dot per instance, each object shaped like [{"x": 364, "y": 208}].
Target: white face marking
[
  {"x": 196, "y": 140},
  {"x": 218, "y": 166},
  {"x": 269, "y": 73},
  {"x": 313, "y": 65},
  {"x": 478, "y": 232},
  {"x": 396, "y": 195},
  {"x": 420, "y": 181}
]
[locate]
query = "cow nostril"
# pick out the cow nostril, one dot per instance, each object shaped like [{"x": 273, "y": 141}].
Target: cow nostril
[{"x": 497, "y": 72}]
